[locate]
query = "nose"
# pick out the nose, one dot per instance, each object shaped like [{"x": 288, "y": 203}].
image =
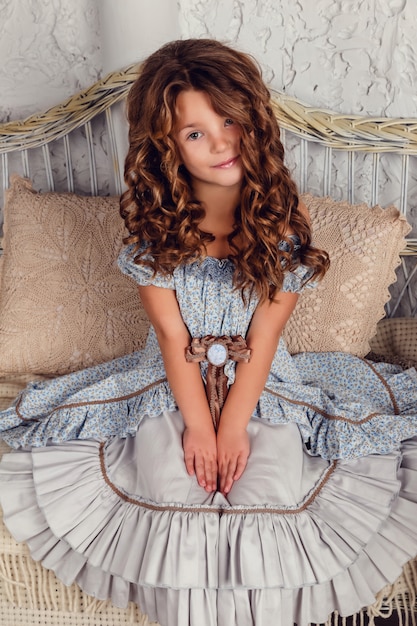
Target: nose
[{"x": 219, "y": 142}]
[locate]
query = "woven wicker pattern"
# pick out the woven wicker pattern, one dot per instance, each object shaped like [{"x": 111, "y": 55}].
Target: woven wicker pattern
[
  {"x": 347, "y": 132},
  {"x": 62, "y": 119}
]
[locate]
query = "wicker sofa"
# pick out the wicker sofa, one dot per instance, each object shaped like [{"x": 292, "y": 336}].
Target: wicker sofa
[{"x": 68, "y": 173}]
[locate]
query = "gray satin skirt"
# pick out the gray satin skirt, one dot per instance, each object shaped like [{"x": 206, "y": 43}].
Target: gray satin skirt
[{"x": 297, "y": 537}]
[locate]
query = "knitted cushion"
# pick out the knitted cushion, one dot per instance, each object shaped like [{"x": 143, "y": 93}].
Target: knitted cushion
[
  {"x": 397, "y": 336},
  {"x": 364, "y": 245},
  {"x": 64, "y": 304}
]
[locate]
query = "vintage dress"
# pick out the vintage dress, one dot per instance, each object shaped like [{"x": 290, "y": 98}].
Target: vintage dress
[{"x": 322, "y": 518}]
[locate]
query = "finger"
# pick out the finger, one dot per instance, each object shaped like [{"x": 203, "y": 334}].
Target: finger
[
  {"x": 211, "y": 475},
  {"x": 200, "y": 471},
  {"x": 240, "y": 467},
  {"x": 226, "y": 479},
  {"x": 189, "y": 464}
]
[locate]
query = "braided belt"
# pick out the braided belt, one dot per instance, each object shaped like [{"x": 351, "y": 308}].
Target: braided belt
[{"x": 217, "y": 351}]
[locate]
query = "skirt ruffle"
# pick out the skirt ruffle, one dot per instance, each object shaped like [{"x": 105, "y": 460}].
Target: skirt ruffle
[
  {"x": 108, "y": 400},
  {"x": 128, "y": 523}
]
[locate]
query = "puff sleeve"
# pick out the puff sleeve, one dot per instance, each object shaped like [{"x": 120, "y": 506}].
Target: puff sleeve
[
  {"x": 295, "y": 281},
  {"x": 142, "y": 274}
]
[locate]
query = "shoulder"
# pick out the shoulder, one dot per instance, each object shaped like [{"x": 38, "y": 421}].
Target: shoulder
[
  {"x": 126, "y": 258},
  {"x": 142, "y": 272}
]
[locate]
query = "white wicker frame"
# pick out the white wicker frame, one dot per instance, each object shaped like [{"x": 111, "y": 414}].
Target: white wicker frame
[{"x": 42, "y": 147}]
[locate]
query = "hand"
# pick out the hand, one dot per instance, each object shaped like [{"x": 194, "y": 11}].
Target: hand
[
  {"x": 200, "y": 456},
  {"x": 232, "y": 454}
]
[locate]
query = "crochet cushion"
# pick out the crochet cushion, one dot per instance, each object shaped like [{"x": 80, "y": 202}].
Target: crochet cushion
[
  {"x": 364, "y": 244},
  {"x": 397, "y": 336},
  {"x": 65, "y": 305}
]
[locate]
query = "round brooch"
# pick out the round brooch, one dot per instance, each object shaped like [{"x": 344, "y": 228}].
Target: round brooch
[{"x": 217, "y": 354}]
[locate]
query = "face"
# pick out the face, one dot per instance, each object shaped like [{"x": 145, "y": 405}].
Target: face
[{"x": 209, "y": 144}]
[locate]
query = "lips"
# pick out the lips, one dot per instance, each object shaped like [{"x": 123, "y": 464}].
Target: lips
[{"x": 227, "y": 164}]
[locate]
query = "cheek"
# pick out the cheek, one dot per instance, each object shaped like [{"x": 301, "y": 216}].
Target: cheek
[
  {"x": 180, "y": 147},
  {"x": 238, "y": 134},
  {"x": 182, "y": 154},
  {"x": 187, "y": 154}
]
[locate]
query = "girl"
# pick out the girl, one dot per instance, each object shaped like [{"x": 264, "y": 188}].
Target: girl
[{"x": 212, "y": 478}]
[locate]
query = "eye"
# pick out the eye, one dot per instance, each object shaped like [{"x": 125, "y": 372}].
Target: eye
[
  {"x": 228, "y": 121},
  {"x": 196, "y": 134}
]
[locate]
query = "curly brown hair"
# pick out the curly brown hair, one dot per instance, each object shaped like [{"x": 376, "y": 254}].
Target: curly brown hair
[{"x": 159, "y": 208}]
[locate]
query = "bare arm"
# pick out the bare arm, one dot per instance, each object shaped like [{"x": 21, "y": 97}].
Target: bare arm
[
  {"x": 263, "y": 336},
  {"x": 199, "y": 441}
]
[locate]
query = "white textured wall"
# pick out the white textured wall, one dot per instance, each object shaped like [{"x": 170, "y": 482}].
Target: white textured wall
[
  {"x": 132, "y": 29},
  {"x": 354, "y": 56},
  {"x": 49, "y": 49}
]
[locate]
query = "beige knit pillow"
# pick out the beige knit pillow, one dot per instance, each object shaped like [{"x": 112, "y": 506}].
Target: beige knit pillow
[
  {"x": 363, "y": 243},
  {"x": 64, "y": 304},
  {"x": 396, "y": 337}
]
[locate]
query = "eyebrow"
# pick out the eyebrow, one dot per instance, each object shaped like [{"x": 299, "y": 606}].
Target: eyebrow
[{"x": 193, "y": 125}]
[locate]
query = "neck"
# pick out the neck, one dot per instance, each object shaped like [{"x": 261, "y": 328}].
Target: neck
[{"x": 220, "y": 204}]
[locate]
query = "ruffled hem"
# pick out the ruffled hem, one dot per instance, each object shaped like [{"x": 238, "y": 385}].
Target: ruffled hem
[
  {"x": 334, "y": 422},
  {"x": 214, "y": 536},
  {"x": 117, "y": 415},
  {"x": 335, "y": 554}
]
